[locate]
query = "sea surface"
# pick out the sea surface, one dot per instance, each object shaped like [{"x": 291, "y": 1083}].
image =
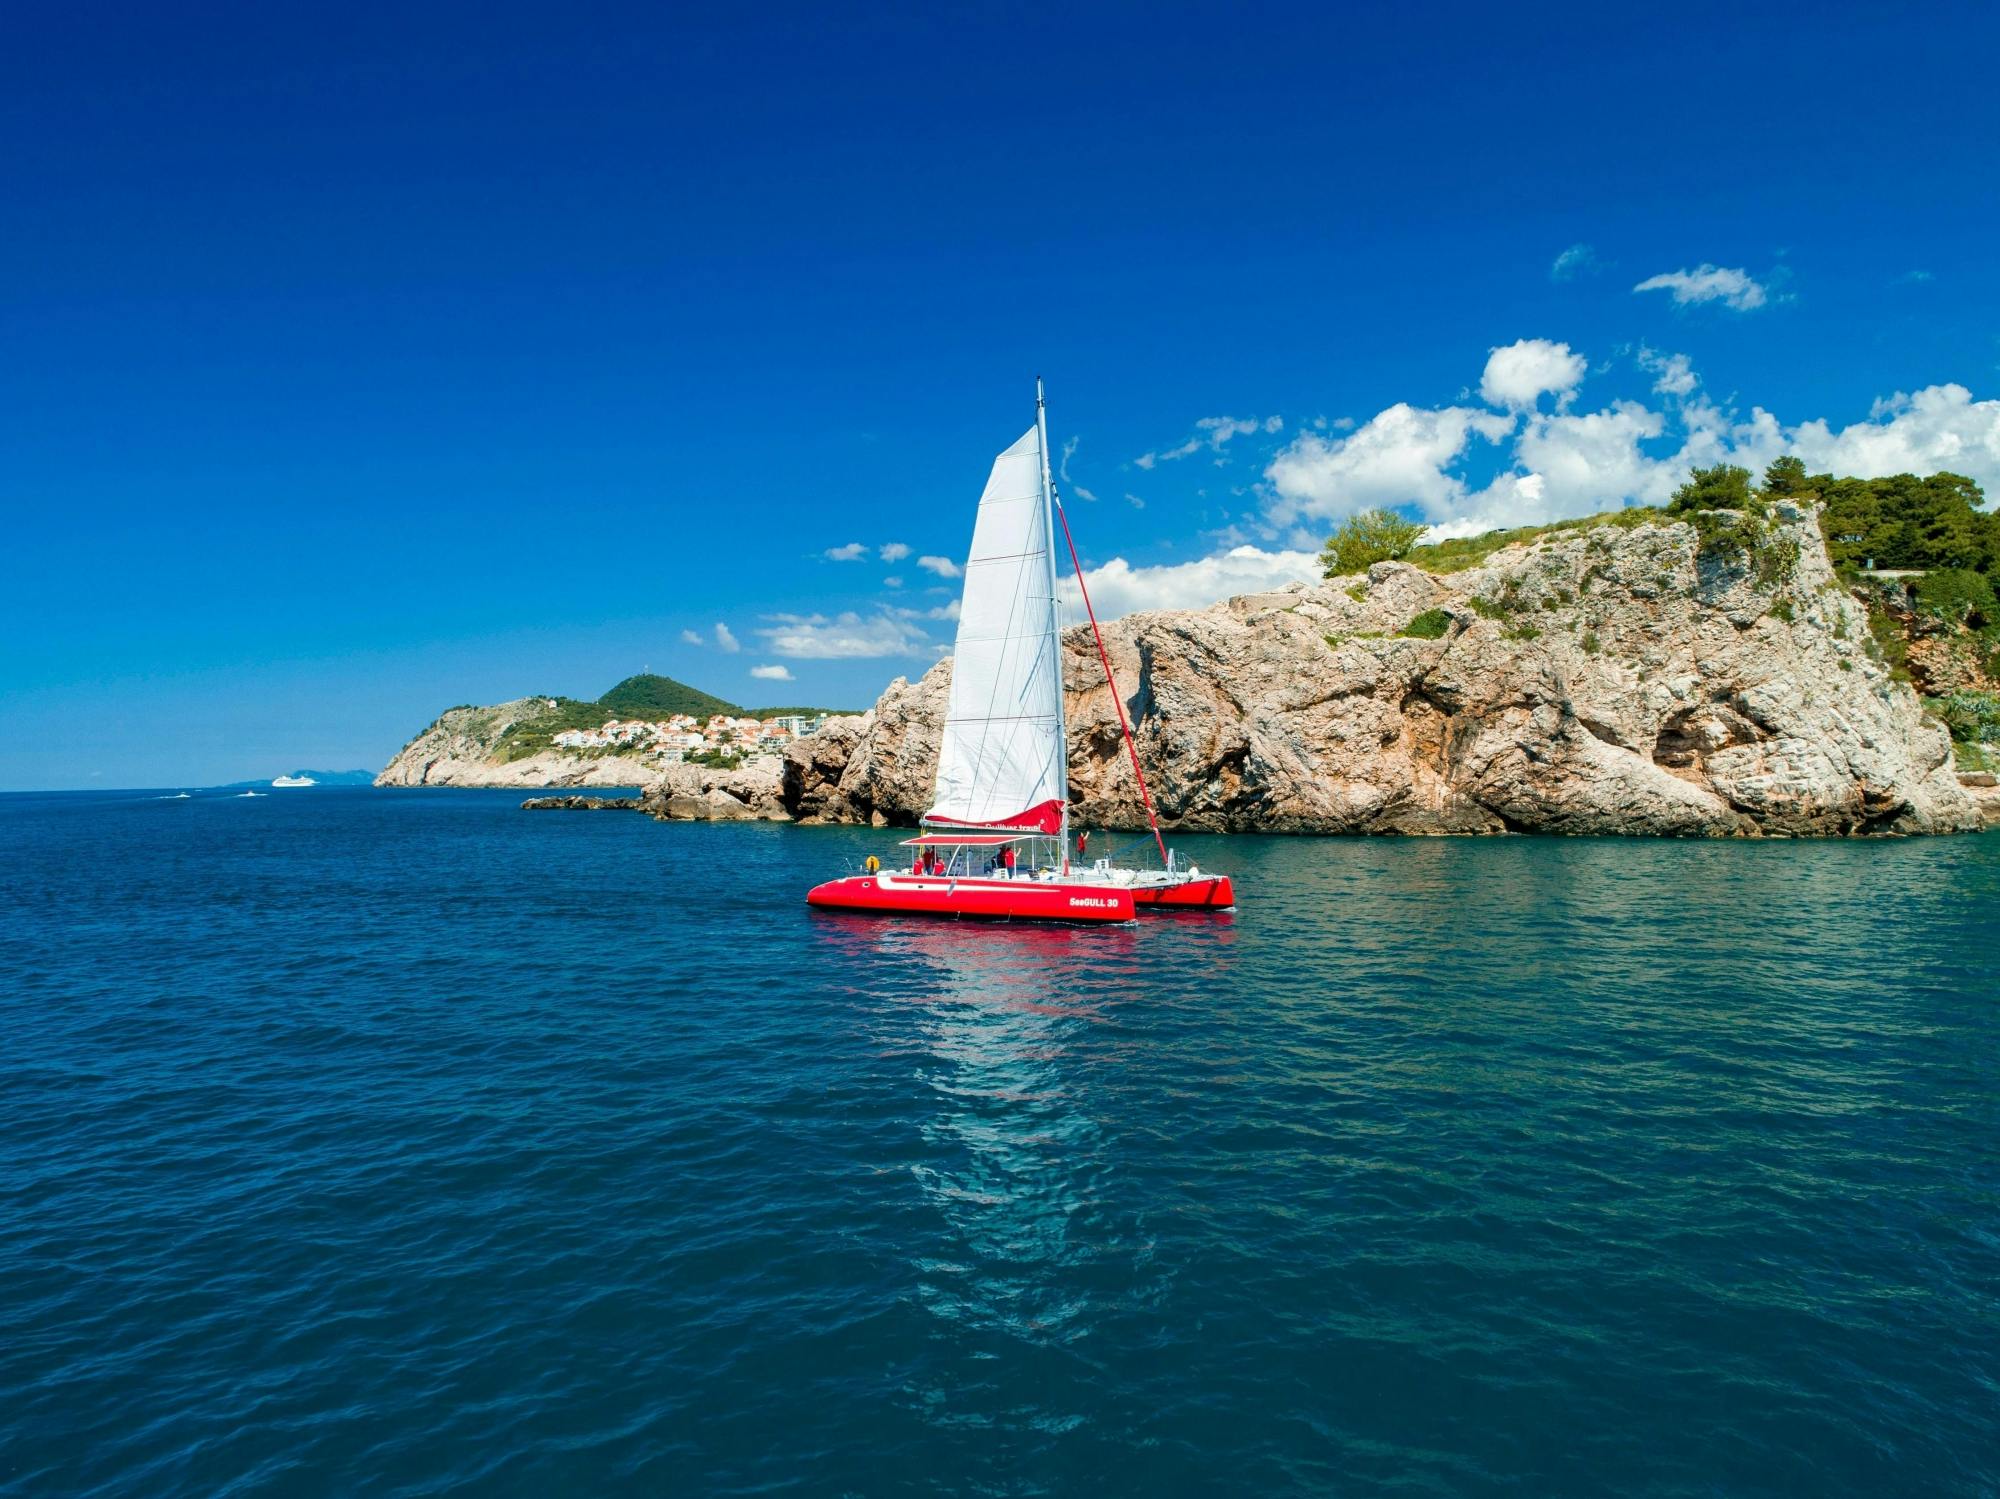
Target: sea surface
[{"x": 398, "y": 1143}]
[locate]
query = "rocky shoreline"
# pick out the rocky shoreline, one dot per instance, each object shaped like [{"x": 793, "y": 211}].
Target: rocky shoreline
[
  {"x": 725, "y": 796},
  {"x": 1620, "y": 678}
]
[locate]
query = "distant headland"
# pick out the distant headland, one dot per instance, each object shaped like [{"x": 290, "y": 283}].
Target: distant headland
[{"x": 630, "y": 736}]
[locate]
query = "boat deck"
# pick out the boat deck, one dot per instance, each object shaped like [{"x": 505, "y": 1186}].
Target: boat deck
[{"x": 1026, "y": 899}]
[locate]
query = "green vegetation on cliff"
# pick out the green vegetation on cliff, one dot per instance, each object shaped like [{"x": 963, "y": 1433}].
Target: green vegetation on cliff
[
  {"x": 1906, "y": 522},
  {"x": 537, "y": 730},
  {"x": 1456, "y": 555},
  {"x": 1366, "y": 538}
]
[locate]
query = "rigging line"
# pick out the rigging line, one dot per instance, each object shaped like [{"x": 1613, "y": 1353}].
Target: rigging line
[
  {"x": 1002, "y": 557},
  {"x": 1112, "y": 682}
]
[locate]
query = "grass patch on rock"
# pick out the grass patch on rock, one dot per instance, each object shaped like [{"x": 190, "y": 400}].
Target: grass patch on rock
[{"x": 1462, "y": 552}]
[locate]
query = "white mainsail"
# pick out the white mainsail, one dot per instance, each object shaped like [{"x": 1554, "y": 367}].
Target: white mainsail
[{"x": 1001, "y": 763}]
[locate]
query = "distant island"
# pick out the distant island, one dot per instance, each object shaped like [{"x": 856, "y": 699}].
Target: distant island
[{"x": 1797, "y": 655}]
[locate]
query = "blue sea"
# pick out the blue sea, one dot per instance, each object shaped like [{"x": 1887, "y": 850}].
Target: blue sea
[{"x": 400, "y": 1143}]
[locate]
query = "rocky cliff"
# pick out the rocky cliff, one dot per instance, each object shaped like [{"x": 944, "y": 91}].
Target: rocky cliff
[{"x": 1662, "y": 677}]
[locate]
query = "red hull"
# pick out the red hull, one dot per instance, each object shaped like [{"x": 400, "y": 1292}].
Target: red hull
[
  {"x": 1209, "y": 893},
  {"x": 993, "y": 900}
]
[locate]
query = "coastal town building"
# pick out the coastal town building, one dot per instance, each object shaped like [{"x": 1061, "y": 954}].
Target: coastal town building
[{"x": 672, "y": 739}]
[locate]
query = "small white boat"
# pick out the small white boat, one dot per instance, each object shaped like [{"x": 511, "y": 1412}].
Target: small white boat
[
  {"x": 252, "y": 793},
  {"x": 295, "y": 781}
]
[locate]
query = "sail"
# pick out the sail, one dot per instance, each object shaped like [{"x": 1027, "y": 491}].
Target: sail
[{"x": 1000, "y": 764}]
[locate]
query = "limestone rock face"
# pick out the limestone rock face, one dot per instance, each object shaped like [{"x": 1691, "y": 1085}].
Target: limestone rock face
[
  {"x": 458, "y": 750},
  {"x": 1985, "y": 794},
  {"x": 1608, "y": 680},
  {"x": 697, "y": 793},
  {"x": 877, "y": 767}
]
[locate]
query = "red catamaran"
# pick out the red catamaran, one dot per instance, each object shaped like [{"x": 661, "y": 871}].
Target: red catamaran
[{"x": 996, "y": 840}]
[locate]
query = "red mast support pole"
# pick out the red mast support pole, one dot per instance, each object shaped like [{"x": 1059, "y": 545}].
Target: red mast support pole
[{"x": 1117, "y": 701}]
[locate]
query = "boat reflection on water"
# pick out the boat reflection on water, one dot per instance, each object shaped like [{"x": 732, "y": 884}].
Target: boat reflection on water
[
  {"x": 1024, "y": 1045},
  {"x": 1009, "y": 1149}
]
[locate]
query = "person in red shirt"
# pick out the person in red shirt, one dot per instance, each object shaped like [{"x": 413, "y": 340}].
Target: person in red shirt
[{"x": 1007, "y": 862}]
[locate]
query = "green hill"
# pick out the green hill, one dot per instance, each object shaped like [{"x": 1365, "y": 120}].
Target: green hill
[{"x": 651, "y": 696}]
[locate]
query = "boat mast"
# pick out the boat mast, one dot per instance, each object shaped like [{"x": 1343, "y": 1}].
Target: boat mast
[{"x": 1055, "y": 619}]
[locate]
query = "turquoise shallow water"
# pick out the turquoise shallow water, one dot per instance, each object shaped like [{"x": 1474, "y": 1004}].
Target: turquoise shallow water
[{"x": 404, "y": 1143}]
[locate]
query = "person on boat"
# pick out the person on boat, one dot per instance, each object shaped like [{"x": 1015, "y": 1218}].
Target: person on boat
[
  {"x": 1082, "y": 843},
  {"x": 1007, "y": 862},
  {"x": 922, "y": 860}
]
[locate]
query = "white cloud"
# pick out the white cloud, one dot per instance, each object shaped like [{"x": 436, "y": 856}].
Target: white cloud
[
  {"x": 1577, "y": 260},
  {"x": 1673, "y": 374},
  {"x": 1062, "y": 472},
  {"x": 944, "y": 611},
  {"x": 854, "y": 551},
  {"x": 846, "y": 636},
  {"x": 1709, "y": 283},
  {"x": 1940, "y": 427},
  {"x": 725, "y": 640},
  {"x": 944, "y": 567},
  {"x": 1398, "y": 457},
  {"x": 1221, "y": 429},
  {"x": 771, "y": 673},
  {"x": 691, "y": 638},
  {"x": 1214, "y": 433},
  {"x": 894, "y": 551},
  {"x": 1565, "y": 463},
  {"x": 1147, "y": 460},
  {"x": 1134, "y": 501},
  {"x": 1583, "y": 461},
  {"x": 1524, "y": 371},
  {"x": 1118, "y": 588},
  {"x": 892, "y": 581}
]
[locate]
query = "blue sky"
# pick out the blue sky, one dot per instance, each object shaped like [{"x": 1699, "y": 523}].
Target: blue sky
[{"x": 355, "y": 365}]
